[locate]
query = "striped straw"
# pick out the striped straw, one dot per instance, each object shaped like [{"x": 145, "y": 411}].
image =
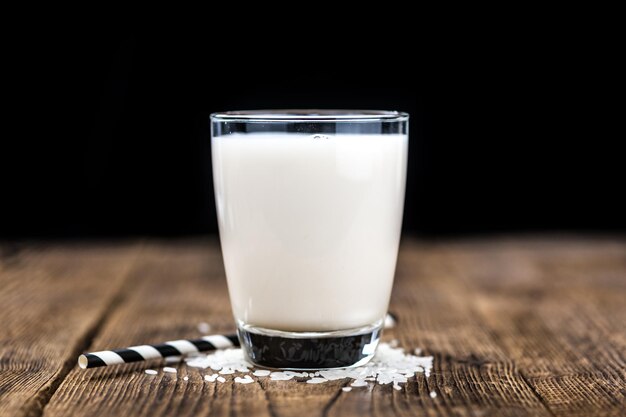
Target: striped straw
[{"x": 146, "y": 352}]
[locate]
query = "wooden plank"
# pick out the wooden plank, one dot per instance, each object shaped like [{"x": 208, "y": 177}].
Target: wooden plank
[
  {"x": 52, "y": 299},
  {"x": 558, "y": 309}
]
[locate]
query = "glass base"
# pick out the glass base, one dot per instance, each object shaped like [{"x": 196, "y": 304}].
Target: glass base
[{"x": 309, "y": 350}]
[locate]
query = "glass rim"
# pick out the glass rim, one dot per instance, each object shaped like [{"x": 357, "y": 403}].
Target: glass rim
[{"x": 309, "y": 116}]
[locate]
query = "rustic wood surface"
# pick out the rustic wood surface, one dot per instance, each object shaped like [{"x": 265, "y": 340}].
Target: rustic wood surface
[{"x": 518, "y": 327}]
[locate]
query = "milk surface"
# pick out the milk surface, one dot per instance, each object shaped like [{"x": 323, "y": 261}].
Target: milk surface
[{"x": 309, "y": 226}]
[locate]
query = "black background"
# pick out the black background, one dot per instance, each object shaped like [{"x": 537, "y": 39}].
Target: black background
[{"x": 109, "y": 132}]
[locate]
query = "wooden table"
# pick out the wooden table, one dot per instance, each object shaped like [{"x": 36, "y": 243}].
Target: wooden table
[{"x": 517, "y": 326}]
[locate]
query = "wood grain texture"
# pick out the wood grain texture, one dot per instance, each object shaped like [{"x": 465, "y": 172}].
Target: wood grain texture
[
  {"x": 52, "y": 299},
  {"x": 560, "y": 315},
  {"x": 518, "y": 327},
  {"x": 172, "y": 289}
]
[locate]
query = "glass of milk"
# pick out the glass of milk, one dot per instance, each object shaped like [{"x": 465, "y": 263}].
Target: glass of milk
[{"x": 309, "y": 205}]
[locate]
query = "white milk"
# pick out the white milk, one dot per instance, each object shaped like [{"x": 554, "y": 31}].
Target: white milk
[{"x": 309, "y": 226}]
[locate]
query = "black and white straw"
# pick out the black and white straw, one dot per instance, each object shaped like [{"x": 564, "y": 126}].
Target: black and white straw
[{"x": 146, "y": 352}]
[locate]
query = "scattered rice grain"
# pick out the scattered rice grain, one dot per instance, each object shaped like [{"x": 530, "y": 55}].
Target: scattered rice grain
[
  {"x": 390, "y": 365},
  {"x": 204, "y": 328},
  {"x": 316, "y": 381},
  {"x": 245, "y": 380},
  {"x": 389, "y": 322},
  {"x": 280, "y": 376},
  {"x": 261, "y": 372}
]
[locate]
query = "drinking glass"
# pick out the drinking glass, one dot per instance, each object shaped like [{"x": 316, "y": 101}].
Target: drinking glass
[{"x": 309, "y": 206}]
